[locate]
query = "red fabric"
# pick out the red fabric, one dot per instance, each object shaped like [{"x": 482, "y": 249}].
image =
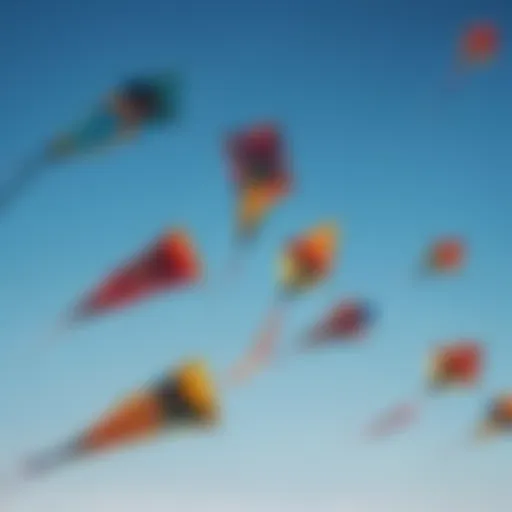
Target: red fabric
[
  {"x": 481, "y": 41},
  {"x": 448, "y": 254},
  {"x": 260, "y": 142},
  {"x": 463, "y": 362},
  {"x": 347, "y": 319},
  {"x": 170, "y": 263}
]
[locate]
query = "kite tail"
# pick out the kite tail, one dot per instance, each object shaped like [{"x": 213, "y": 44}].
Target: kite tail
[
  {"x": 10, "y": 487},
  {"x": 50, "y": 338},
  {"x": 394, "y": 420},
  {"x": 46, "y": 462},
  {"x": 14, "y": 186},
  {"x": 234, "y": 265},
  {"x": 263, "y": 351},
  {"x": 233, "y": 268}
]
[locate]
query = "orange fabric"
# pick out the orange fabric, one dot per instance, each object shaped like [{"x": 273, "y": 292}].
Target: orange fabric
[{"x": 138, "y": 417}]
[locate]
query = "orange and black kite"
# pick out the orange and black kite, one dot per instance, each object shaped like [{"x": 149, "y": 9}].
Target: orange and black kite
[{"x": 184, "y": 399}]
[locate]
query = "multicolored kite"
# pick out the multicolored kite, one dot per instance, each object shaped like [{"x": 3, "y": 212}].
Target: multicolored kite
[
  {"x": 261, "y": 173},
  {"x": 306, "y": 261},
  {"x": 455, "y": 365},
  {"x": 134, "y": 106},
  {"x": 184, "y": 399}
]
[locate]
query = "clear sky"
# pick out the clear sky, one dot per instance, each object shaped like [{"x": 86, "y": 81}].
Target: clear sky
[{"x": 378, "y": 141}]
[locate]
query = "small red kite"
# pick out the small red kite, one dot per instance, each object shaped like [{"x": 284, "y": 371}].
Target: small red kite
[
  {"x": 456, "y": 365},
  {"x": 446, "y": 255},
  {"x": 480, "y": 43},
  {"x": 349, "y": 320}
]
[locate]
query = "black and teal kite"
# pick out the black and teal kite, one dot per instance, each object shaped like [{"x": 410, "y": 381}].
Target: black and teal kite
[{"x": 138, "y": 104}]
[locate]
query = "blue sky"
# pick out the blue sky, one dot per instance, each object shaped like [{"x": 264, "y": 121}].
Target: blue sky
[{"x": 378, "y": 141}]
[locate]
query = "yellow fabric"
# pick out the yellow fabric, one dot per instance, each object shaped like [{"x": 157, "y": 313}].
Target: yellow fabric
[
  {"x": 323, "y": 241},
  {"x": 196, "y": 384},
  {"x": 253, "y": 205}
]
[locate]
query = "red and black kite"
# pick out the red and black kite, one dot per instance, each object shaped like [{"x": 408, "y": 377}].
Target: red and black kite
[{"x": 260, "y": 171}]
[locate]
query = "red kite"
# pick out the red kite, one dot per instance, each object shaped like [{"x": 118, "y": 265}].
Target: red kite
[
  {"x": 480, "y": 43},
  {"x": 172, "y": 263},
  {"x": 446, "y": 256},
  {"x": 458, "y": 364},
  {"x": 261, "y": 174},
  {"x": 138, "y": 104},
  {"x": 306, "y": 261},
  {"x": 184, "y": 399},
  {"x": 349, "y": 320}
]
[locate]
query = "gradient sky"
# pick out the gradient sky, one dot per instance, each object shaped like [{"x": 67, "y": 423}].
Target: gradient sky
[{"x": 380, "y": 141}]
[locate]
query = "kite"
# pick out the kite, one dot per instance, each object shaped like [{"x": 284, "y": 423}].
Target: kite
[
  {"x": 171, "y": 263},
  {"x": 348, "y": 321},
  {"x": 455, "y": 365},
  {"x": 499, "y": 418},
  {"x": 261, "y": 175},
  {"x": 445, "y": 256},
  {"x": 183, "y": 399},
  {"x": 138, "y": 104},
  {"x": 480, "y": 43},
  {"x": 305, "y": 262}
]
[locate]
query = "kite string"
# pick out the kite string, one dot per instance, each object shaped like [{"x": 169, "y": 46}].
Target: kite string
[
  {"x": 46, "y": 341},
  {"x": 396, "y": 418},
  {"x": 13, "y": 185},
  {"x": 262, "y": 351}
]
